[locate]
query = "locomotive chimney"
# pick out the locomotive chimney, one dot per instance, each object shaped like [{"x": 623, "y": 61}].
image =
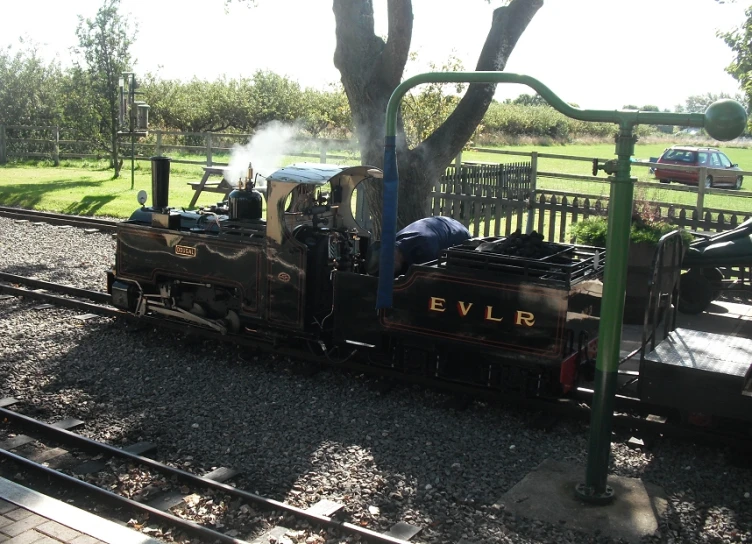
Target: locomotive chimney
[{"x": 160, "y": 181}]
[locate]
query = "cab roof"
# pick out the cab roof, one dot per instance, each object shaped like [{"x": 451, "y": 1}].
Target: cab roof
[{"x": 307, "y": 173}]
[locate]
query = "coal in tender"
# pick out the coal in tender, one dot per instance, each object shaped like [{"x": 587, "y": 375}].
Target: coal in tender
[{"x": 528, "y": 246}]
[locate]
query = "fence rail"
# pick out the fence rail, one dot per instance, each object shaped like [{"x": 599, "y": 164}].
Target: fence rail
[{"x": 26, "y": 141}]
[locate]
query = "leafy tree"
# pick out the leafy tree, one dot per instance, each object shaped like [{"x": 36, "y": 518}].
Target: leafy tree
[
  {"x": 699, "y": 103},
  {"x": 740, "y": 43},
  {"x": 29, "y": 88},
  {"x": 423, "y": 111},
  {"x": 371, "y": 67},
  {"x": 529, "y": 100},
  {"x": 326, "y": 112},
  {"x": 104, "y": 46},
  {"x": 275, "y": 98}
]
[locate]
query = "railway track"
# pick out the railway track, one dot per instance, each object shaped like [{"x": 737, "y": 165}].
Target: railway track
[
  {"x": 164, "y": 495},
  {"x": 104, "y": 225},
  {"x": 645, "y": 421}
]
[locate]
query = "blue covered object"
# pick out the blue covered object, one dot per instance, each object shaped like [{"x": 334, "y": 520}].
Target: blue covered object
[{"x": 423, "y": 240}]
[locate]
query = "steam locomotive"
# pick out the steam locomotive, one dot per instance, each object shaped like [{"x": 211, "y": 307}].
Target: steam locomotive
[{"x": 297, "y": 274}]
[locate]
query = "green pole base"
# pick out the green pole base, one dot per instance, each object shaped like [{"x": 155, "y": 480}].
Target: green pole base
[{"x": 588, "y": 494}]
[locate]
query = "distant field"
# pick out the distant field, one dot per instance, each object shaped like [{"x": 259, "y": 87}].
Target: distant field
[
  {"x": 740, "y": 156},
  {"x": 87, "y": 187}
]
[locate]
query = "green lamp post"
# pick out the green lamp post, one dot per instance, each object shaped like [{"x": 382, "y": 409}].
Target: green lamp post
[{"x": 723, "y": 120}]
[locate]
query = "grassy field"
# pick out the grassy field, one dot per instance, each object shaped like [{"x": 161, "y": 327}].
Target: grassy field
[
  {"x": 656, "y": 191},
  {"x": 87, "y": 187}
]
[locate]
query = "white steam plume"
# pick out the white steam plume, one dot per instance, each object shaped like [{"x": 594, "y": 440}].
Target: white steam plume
[{"x": 264, "y": 151}]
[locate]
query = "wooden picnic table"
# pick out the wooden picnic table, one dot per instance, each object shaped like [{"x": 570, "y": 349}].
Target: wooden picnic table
[{"x": 222, "y": 186}]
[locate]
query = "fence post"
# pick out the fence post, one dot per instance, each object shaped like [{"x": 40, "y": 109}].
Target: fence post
[
  {"x": 322, "y": 152},
  {"x": 56, "y": 147},
  {"x": 533, "y": 186},
  {"x": 702, "y": 175},
  {"x": 208, "y": 149},
  {"x": 159, "y": 143},
  {"x": 3, "y": 156}
]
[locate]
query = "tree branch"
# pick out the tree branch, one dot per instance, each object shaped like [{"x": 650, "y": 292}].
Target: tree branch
[
  {"x": 394, "y": 56},
  {"x": 508, "y": 24}
]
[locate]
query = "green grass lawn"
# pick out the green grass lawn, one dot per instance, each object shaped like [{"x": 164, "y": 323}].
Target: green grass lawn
[
  {"x": 87, "y": 187},
  {"x": 656, "y": 191}
]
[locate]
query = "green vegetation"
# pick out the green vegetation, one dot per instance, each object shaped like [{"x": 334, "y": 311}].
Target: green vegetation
[{"x": 592, "y": 231}]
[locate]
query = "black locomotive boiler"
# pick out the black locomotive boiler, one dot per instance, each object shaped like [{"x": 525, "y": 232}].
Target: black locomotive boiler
[{"x": 297, "y": 274}]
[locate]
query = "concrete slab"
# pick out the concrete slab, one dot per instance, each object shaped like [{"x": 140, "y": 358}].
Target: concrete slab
[{"x": 547, "y": 494}]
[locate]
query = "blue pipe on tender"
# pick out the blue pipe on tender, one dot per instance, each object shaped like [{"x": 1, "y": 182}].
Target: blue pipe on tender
[{"x": 388, "y": 225}]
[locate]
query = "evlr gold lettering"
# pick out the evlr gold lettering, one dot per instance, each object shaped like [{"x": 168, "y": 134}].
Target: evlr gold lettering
[
  {"x": 462, "y": 309},
  {"x": 489, "y": 315},
  {"x": 436, "y": 304},
  {"x": 524, "y": 317}
]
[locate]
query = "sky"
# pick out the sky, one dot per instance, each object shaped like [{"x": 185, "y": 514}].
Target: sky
[{"x": 600, "y": 54}]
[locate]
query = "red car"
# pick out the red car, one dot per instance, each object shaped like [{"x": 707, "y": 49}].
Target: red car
[{"x": 727, "y": 174}]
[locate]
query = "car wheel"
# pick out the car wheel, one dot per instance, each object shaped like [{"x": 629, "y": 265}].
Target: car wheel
[
  {"x": 666, "y": 181},
  {"x": 709, "y": 182},
  {"x": 738, "y": 183}
]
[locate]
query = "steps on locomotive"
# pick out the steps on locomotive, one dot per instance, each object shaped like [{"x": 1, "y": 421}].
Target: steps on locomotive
[{"x": 708, "y": 373}]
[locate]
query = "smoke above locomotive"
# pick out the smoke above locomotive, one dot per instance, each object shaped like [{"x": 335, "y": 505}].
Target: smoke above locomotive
[{"x": 265, "y": 150}]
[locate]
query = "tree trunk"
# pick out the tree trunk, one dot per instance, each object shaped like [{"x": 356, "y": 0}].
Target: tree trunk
[{"x": 371, "y": 69}]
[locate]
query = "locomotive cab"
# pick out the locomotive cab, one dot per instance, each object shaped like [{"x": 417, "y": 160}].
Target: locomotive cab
[{"x": 310, "y": 222}]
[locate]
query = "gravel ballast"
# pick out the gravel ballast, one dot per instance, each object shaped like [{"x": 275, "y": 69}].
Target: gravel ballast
[{"x": 395, "y": 456}]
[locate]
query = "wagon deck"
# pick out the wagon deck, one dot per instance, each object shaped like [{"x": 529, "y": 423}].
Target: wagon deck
[{"x": 707, "y": 372}]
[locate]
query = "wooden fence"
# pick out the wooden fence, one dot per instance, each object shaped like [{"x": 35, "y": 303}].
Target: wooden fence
[
  {"x": 50, "y": 142},
  {"x": 552, "y": 212}
]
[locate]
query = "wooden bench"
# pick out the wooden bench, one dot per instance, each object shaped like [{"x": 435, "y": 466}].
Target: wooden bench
[{"x": 221, "y": 186}]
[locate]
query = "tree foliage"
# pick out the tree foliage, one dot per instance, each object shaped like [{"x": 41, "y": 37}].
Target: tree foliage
[
  {"x": 740, "y": 43},
  {"x": 424, "y": 109},
  {"x": 104, "y": 44},
  {"x": 528, "y": 100},
  {"x": 29, "y": 87}
]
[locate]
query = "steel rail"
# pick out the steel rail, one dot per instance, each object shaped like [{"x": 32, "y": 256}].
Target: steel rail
[
  {"x": 95, "y": 296},
  {"x": 73, "y": 304},
  {"x": 59, "y": 218},
  {"x": 84, "y": 443},
  {"x": 113, "y": 498}
]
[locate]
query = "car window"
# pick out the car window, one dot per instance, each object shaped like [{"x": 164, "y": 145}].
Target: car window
[
  {"x": 702, "y": 158},
  {"x": 724, "y": 160},
  {"x": 680, "y": 155},
  {"x": 714, "y": 161}
]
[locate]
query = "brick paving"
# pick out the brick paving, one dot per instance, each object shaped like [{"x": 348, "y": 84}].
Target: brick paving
[{"x": 21, "y": 526}]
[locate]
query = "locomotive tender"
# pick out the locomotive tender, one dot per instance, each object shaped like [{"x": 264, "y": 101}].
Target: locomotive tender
[{"x": 298, "y": 276}]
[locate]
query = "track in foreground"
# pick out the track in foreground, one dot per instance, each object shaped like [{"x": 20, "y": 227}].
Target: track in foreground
[{"x": 59, "y": 464}]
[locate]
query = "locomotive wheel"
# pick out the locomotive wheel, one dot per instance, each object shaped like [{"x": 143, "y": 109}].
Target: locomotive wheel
[{"x": 696, "y": 293}]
